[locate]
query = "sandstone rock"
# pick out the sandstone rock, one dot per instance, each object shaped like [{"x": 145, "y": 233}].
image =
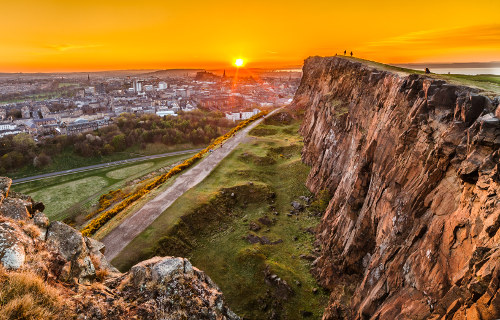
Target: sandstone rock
[
  {"x": 13, "y": 257},
  {"x": 167, "y": 269},
  {"x": 297, "y": 205},
  {"x": 265, "y": 221},
  {"x": 41, "y": 220},
  {"x": 159, "y": 288},
  {"x": 412, "y": 164},
  {"x": 15, "y": 208},
  {"x": 170, "y": 282},
  {"x": 71, "y": 245},
  {"x": 68, "y": 241},
  {"x": 251, "y": 238},
  {"x": 5, "y": 184},
  {"x": 12, "y": 242},
  {"x": 254, "y": 226}
]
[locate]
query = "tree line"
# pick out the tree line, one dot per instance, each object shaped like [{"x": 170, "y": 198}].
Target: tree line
[{"x": 127, "y": 131}]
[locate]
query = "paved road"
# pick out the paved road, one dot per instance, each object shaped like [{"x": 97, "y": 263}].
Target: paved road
[
  {"x": 100, "y": 166},
  {"x": 133, "y": 225}
]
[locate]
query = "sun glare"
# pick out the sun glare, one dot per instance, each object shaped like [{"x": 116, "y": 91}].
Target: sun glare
[{"x": 239, "y": 62}]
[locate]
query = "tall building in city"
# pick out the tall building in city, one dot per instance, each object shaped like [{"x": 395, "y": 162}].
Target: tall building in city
[{"x": 137, "y": 86}]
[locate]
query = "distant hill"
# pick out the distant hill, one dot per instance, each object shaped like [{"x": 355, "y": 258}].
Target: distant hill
[
  {"x": 107, "y": 73},
  {"x": 173, "y": 73}
]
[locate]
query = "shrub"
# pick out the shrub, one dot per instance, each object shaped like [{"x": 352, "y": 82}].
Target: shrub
[
  {"x": 41, "y": 160},
  {"x": 321, "y": 201}
]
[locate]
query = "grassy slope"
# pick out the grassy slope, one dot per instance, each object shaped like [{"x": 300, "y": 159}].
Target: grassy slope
[
  {"x": 487, "y": 83},
  {"x": 69, "y": 160},
  {"x": 115, "y": 221},
  {"x": 59, "y": 194},
  {"x": 232, "y": 262}
]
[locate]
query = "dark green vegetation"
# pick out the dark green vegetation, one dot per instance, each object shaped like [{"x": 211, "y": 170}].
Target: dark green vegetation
[
  {"x": 70, "y": 197},
  {"x": 235, "y": 225},
  {"x": 147, "y": 134}
]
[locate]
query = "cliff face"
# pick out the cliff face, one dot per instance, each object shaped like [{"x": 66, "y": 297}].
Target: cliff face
[
  {"x": 413, "y": 164},
  {"x": 50, "y": 271}
]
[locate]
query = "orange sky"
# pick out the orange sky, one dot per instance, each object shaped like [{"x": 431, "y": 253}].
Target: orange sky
[{"x": 65, "y": 35}]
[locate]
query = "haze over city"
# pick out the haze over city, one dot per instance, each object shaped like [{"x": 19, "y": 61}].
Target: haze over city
[{"x": 56, "y": 35}]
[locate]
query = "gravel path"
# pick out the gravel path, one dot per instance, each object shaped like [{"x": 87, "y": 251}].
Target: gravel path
[{"x": 116, "y": 240}]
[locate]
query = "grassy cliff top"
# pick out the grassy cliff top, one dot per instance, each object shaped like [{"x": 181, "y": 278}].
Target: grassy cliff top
[{"x": 487, "y": 83}]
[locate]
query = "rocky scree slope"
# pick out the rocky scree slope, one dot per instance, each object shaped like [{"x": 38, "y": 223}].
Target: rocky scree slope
[
  {"x": 413, "y": 165},
  {"x": 49, "y": 270}
]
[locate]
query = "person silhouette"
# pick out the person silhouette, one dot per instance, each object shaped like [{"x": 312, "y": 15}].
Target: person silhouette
[
  {"x": 345, "y": 51},
  {"x": 351, "y": 53}
]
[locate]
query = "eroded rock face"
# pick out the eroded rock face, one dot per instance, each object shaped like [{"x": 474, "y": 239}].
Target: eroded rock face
[
  {"x": 414, "y": 167},
  {"x": 15, "y": 208},
  {"x": 169, "y": 280},
  {"x": 159, "y": 288},
  {"x": 5, "y": 184}
]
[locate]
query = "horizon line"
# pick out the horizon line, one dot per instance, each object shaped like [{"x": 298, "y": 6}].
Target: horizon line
[{"x": 233, "y": 67}]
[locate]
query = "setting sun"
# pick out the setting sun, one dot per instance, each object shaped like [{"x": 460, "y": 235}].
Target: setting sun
[{"x": 239, "y": 62}]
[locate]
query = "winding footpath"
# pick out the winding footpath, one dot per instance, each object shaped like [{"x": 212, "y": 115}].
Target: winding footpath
[{"x": 118, "y": 238}]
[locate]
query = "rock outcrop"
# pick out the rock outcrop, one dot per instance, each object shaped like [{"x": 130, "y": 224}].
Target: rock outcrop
[
  {"x": 88, "y": 286},
  {"x": 413, "y": 164}
]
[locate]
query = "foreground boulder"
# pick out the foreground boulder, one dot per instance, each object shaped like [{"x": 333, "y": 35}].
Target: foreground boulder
[
  {"x": 413, "y": 164},
  {"x": 83, "y": 284},
  {"x": 169, "y": 281}
]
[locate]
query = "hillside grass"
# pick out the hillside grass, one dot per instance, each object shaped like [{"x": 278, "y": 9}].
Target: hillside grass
[
  {"x": 74, "y": 194},
  {"x": 24, "y": 295},
  {"x": 208, "y": 223},
  {"x": 69, "y": 160},
  {"x": 488, "y": 83}
]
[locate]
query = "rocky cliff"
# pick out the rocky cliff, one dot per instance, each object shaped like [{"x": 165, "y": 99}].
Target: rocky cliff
[
  {"x": 50, "y": 271},
  {"x": 413, "y": 164}
]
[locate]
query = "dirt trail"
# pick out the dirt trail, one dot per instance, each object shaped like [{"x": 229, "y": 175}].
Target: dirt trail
[{"x": 116, "y": 240}]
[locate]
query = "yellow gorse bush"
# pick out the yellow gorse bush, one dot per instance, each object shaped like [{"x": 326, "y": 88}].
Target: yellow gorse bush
[{"x": 105, "y": 216}]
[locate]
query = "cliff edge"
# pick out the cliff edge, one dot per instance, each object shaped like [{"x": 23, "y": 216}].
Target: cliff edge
[
  {"x": 413, "y": 165},
  {"x": 48, "y": 270}
]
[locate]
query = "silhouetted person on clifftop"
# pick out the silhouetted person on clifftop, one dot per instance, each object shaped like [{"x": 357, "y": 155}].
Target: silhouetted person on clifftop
[
  {"x": 427, "y": 71},
  {"x": 351, "y": 53},
  {"x": 345, "y": 51}
]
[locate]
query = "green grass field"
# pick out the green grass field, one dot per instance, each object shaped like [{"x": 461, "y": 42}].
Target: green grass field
[
  {"x": 69, "y": 160},
  {"x": 484, "y": 82},
  {"x": 63, "y": 195},
  {"x": 260, "y": 176}
]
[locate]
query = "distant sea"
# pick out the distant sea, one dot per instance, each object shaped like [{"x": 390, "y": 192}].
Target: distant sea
[
  {"x": 470, "y": 68},
  {"x": 469, "y": 71},
  {"x": 457, "y": 68}
]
